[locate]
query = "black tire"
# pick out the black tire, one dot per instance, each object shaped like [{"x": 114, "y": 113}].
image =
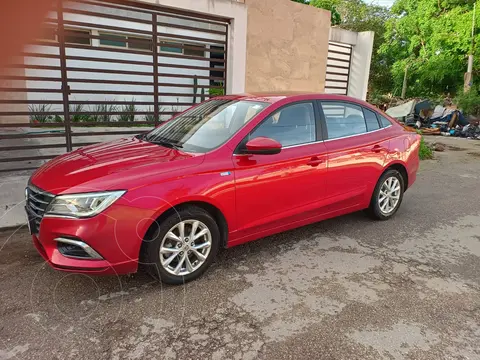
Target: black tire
[
  {"x": 374, "y": 210},
  {"x": 150, "y": 252}
]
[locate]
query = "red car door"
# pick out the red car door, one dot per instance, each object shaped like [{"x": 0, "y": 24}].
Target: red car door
[
  {"x": 357, "y": 149},
  {"x": 275, "y": 190}
]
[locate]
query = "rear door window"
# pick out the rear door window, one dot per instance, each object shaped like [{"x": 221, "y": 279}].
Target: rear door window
[{"x": 343, "y": 119}]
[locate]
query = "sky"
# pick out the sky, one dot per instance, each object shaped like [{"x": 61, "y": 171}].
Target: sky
[{"x": 381, "y": 2}]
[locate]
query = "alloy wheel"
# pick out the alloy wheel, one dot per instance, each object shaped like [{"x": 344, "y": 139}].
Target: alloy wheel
[
  {"x": 185, "y": 247},
  {"x": 389, "y": 195}
]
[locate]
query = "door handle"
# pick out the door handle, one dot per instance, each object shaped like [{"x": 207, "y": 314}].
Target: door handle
[
  {"x": 315, "y": 161},
  {"x": 377, "y": 149}
]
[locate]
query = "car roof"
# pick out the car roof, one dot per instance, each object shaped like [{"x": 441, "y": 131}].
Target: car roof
[{"x": 272, "y": 96}]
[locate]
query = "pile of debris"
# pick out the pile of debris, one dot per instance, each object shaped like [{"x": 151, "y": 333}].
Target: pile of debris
[{"x": 446, "y": 120}]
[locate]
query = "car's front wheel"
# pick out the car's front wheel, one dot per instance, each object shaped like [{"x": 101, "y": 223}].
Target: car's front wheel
[
  {"x": 182, "y": 246},
  {"x": 387, "y": 196}
]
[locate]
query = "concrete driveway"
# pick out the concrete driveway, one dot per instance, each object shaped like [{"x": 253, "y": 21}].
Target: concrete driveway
[{"x": 347, "y": 288}]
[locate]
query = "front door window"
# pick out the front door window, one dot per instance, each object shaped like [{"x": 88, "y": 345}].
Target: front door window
[{"x": 290, "y": 125}]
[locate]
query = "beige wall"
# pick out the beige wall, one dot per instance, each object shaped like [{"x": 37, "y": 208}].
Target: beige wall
[{"x": 287, "y": 46}]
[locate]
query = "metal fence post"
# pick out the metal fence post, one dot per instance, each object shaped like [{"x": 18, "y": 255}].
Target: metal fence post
[
  {"x": 63, "y": 71},
  {"x": 155, "y": 69}
]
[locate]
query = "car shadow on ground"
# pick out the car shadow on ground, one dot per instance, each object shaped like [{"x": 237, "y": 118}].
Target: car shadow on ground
[
  {"x": 228, "y": 259},
  {"x": 22, "y": 254}
]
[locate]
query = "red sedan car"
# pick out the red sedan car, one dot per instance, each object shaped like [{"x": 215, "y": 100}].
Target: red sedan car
[{"x": 227, "y": 171}]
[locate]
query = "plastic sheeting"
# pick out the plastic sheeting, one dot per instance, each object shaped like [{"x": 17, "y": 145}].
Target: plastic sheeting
[{"x": 403, "y": 110}]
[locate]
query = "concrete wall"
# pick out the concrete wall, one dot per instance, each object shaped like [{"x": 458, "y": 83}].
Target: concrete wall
[
  {"x": 362, "y": 46},
  {"x": 360, "y": 67},
  {"x": 287, "y": 46}
]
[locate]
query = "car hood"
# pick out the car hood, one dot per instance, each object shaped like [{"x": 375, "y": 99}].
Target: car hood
[{"x": 119, "y": 164}]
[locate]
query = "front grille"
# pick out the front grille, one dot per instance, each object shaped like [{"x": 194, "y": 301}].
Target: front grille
[{"x": 37, "y": 202}]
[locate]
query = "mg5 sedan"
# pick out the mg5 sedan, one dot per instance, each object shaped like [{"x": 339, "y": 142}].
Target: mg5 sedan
[{"x": 227, "y": 171}]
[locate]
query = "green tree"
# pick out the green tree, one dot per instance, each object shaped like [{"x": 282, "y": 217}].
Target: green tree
[
  {"x": 358, "y": 16},
  {"x": 330, "y": 5},
  {"x": 432, "y": 38}
]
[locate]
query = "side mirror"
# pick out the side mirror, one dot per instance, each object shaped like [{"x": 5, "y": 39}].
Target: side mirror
[{"x": 262, "y": 146}]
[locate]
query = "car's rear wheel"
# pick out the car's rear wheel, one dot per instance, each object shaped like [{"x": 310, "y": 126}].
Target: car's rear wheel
[
  {"x": 182, "y": 246},
  {"x": 387, "y": 196}
]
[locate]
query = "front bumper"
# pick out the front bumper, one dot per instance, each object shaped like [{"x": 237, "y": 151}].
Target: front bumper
[{"x": 114, "y": 234}]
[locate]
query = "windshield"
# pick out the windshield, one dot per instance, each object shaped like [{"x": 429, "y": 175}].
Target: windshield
[{"x": 206, "y": 126}]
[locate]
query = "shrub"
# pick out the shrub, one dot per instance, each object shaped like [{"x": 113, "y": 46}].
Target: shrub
[
  {"x": 216, "y": 92},
  {"x": 43, "y": 113},
  {"x": 77, "y": 117},
  {"x": 127, "y": 112},
  {"x": 151, "y": 117},
  {"x": 377, "y": 98},
  {"x": 469, "y": 102},
  {"x": 426, "y": 151},
  {"x": 102, "y": 108}
]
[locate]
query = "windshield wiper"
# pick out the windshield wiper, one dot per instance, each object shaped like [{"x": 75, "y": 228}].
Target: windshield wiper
[
  {"x": 166, "y": 143},
  {"x": 159, "y": 141}
]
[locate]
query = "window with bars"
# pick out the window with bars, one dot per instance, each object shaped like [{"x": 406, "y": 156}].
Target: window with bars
[
  {"x": 125, "y": 41},
  {"x": 72, "y": 36},
  {"x": 182, "y": 48},
  {"x": 81, "y": 37}
]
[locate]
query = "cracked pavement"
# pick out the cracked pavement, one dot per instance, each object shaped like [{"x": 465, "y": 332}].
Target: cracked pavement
[{"x": 346, "y": 288}]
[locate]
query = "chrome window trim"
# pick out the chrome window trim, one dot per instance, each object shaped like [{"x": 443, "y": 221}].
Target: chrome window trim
[
  {"x": 93, "y": 254},
  {"x": 324, "y": 123},
  {"x": 304, "y": 144},
  {"x": 364, "y": 133},
  {"x": 60, "y": 216},
  {"x": 319, "y": 141}
]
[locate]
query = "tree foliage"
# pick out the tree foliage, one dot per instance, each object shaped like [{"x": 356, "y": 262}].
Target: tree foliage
[
  {"x": 358, "y": 16},
  {"x": 469, "y": 102},
  {"x": 432, "y": 38},
  {"x": 330, "y": 5}
]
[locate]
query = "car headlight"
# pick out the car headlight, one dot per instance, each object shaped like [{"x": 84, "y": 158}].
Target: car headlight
[{"x": 82, "y": 205}]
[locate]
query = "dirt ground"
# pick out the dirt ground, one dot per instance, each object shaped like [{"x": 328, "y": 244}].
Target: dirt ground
[{"x": 347, "y": 288}]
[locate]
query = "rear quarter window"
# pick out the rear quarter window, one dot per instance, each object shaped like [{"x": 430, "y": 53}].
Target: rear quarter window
[
  {"x": 371, "y": 120},
  {"x": 385, "y": 122}
]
